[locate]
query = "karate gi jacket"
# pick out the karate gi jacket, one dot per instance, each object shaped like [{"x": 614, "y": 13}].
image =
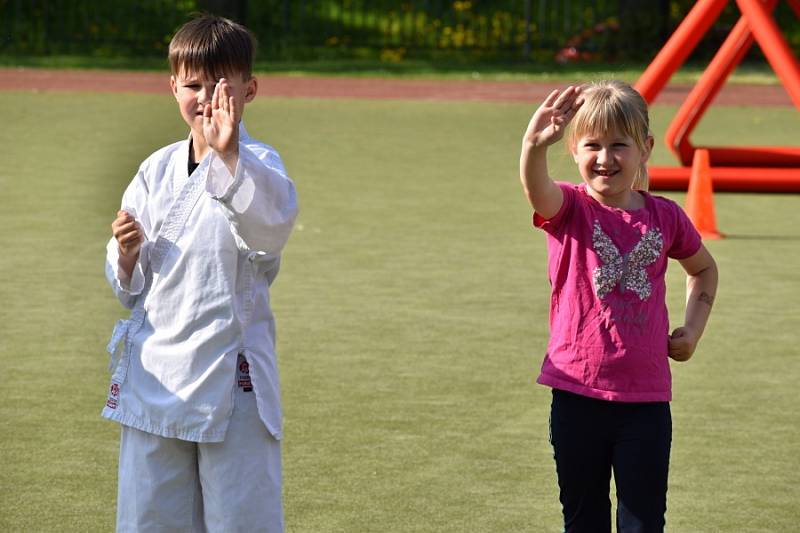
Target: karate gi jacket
[{"x": 206, "y": 298}]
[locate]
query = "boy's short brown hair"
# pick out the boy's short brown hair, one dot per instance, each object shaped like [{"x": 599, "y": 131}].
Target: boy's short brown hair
[{"x": 213, "y": 46}]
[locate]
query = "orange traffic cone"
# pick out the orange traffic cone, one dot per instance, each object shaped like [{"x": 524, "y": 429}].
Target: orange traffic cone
[{"x": 700, "y": 197}]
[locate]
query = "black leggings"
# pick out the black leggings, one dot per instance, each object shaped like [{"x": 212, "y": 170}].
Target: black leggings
[{"x": 589, "y": 438}]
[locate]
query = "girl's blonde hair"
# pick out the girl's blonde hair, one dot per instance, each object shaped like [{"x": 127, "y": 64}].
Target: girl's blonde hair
[{"x": 613, "y": 106}]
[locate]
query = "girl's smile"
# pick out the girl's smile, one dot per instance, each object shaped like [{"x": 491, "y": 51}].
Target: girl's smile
[{"x": 606, "y": 173}]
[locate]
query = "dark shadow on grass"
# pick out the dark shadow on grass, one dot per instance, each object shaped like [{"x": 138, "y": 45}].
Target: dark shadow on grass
[{"x": 762, "y": 237}]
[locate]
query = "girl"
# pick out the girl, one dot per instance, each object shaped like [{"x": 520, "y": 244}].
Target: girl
[{"x": 607, "y": 359}]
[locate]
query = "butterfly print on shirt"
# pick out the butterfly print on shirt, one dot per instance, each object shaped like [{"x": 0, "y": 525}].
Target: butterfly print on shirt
[{"x": 628, "y": 270}]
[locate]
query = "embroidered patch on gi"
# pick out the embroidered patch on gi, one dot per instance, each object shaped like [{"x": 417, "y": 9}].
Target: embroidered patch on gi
[
  {"x": 244, "y": 374},
  {"x": 113, "y": 396}
]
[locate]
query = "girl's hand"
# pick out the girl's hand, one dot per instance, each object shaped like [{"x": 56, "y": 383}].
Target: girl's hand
[
  {"x": 549, "y": 121},
  {"x": 129, "y": 234},
  {"x": 221, "y": 121},
  {"x": 682, "y": 343}
]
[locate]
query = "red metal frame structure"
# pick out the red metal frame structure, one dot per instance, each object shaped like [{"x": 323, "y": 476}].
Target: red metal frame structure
[{"x": 746, "y": 168}]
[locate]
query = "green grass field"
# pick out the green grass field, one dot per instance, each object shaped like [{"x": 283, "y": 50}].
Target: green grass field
[{"x": 412, "y": 319}]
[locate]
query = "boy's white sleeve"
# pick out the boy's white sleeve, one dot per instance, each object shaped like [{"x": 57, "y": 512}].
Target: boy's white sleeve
[
  {"x": 259, "y": 199},
  {"x": 126, "y": 289}
]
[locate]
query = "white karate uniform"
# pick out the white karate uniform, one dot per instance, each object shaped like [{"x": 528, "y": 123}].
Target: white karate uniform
[
  {"x": 215, "y": 240},
  {"x": 175, "y": 485}
]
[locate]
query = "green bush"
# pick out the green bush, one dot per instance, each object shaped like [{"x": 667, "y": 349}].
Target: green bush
[{"x": 542, "y": 31}]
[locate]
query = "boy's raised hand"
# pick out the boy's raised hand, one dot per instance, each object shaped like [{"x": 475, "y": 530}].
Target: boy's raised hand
[
  {"x": 549, "y": 121},
  {"x": 221, "y": 122}
]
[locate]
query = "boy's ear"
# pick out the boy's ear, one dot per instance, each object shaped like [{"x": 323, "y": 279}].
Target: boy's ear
[
  {"x": 250, "y": 89},
  {"x": 173, "y": 84}
]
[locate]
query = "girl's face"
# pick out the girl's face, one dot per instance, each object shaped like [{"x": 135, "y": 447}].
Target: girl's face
[{"x": 608, "y": 164}]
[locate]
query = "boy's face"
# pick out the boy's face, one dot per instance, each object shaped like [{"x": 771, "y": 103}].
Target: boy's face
[{"x": 193, "y": 92}]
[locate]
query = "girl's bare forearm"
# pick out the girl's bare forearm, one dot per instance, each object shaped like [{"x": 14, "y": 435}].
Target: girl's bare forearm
[
  {"x": 544, "y": 196},
  {"x": 701, "y": 290}
]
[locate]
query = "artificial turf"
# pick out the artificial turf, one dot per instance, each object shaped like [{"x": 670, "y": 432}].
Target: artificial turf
[{"x": 412, "y": 318}]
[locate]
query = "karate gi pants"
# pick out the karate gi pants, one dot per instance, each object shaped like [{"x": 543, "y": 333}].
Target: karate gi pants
[
  {"x": 591, "y": 437},
  {"x": 171, "y": 485}
]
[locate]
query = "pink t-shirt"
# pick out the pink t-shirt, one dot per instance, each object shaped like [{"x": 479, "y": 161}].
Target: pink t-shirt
[{"x": 609, "y": 327}]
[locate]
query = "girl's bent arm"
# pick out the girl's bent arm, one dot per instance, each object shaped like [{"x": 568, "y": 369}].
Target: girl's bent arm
[
  {"x": 545, "y": 128},
  {"x": 701, "y": 289}
]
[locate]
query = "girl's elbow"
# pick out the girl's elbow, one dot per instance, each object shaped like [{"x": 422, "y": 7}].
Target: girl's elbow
[
  {"x": 700, "y": 265},
  {"x": 705, "y": 279},
  {"x": 711, "y": 272}
]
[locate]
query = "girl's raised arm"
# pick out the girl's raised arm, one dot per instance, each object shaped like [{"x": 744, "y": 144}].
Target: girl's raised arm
[{"x": 545, "y": 128}]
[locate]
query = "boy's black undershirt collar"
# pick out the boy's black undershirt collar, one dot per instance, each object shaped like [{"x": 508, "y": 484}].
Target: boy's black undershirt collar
[{"x": 192, "y": 166}]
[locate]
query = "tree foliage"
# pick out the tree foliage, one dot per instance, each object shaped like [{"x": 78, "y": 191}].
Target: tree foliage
[{"x": 391, "y": 30}]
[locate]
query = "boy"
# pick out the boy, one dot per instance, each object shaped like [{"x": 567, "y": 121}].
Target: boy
[{"x": 196, "y": 245}]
